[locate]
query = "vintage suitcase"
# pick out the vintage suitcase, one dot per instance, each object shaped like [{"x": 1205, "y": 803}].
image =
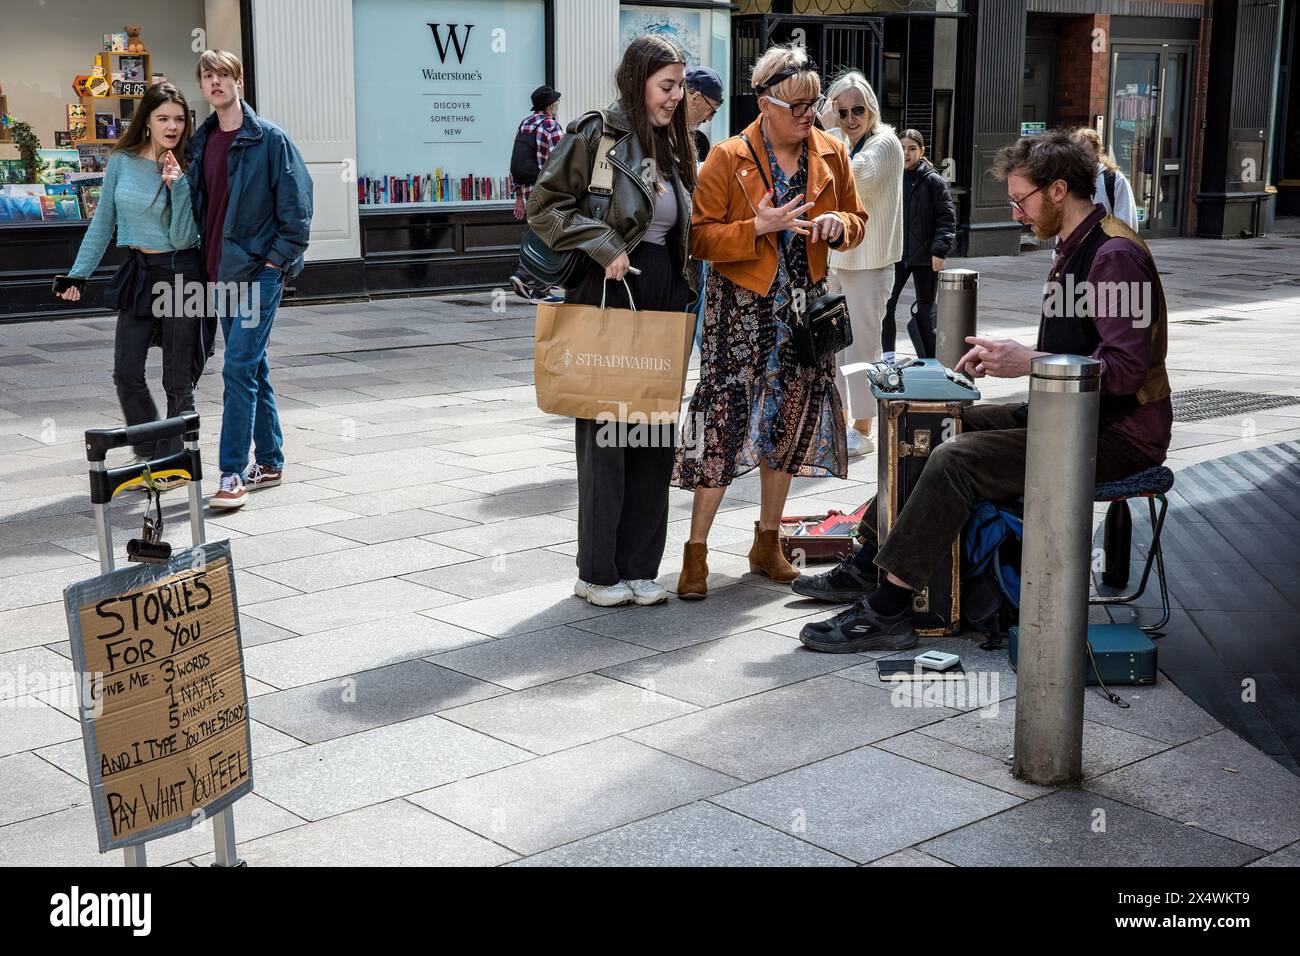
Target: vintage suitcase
[
  {"x": 819, "y": 539},
  {"x": 920, "y": 405},
  {"x": 1123, "y": 654}
]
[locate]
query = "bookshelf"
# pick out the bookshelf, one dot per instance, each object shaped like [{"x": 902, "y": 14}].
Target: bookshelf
[{"x": 105, "y": 60}]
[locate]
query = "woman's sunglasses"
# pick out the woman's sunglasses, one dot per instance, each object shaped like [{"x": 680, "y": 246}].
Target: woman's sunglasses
[{"x": 856, "y": 111}]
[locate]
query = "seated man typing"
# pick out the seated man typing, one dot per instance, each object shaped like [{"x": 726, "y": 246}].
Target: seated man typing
[{"x": 1103, "y": 298}]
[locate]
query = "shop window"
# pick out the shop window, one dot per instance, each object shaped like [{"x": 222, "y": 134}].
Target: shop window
[{"x": 441, "y": 90}]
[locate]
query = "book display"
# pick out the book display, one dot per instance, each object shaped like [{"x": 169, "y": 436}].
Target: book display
[{"x": 108, "y": 97}]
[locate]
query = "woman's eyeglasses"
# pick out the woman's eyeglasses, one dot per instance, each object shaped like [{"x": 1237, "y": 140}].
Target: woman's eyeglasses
[
  {"x": 798, "y": 110},
  {"x": 856, "y": 111}
]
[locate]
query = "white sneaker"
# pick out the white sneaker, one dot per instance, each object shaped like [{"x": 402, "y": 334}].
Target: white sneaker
[
  {"x": 860, "y": 444},
  {"x": 889, "y": 357},
  {"x": 604, "y": 595},
  {"x": 646, "y": 592}
]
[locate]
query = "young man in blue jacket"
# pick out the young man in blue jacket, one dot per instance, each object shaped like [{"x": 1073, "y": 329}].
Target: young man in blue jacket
[{"x": 253, "y": 203}]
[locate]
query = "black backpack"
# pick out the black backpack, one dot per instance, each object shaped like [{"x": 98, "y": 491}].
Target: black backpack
[
  {"x": 1108, "y": 176},
  {"x": 523, "y": 158}
]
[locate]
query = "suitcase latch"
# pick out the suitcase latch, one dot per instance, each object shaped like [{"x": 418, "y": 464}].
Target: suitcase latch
[
  {"x": 921, "y": 600},
  {"x": 920, "y": 446}
]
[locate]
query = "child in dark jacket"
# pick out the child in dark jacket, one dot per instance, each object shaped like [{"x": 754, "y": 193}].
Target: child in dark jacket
[{"x": 928, "y": 231}]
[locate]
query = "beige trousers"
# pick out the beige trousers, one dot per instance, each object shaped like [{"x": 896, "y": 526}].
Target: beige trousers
[{"x": 866, "y": 292}]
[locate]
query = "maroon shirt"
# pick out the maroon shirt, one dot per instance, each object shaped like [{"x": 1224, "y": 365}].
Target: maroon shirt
[
  {"x": 216, "y": 183},
  {"x": 1125, "y": 349}
]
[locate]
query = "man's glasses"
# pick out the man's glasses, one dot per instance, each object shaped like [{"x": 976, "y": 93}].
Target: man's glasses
[
  {"x": 1016, "y": 203},
  {"x": 856, "y": 111},
  {"x": 713, "y": 107},
  {"x": 799, "y": 110}
]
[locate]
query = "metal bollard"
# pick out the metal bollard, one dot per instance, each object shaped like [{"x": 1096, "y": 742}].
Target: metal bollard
[
  {"x": 1060, "y": 476},
  {"x": 955, "y": 302}
]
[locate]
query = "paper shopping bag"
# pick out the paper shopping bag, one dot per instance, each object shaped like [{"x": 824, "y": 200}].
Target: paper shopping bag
[{"x": 611, "y": 364}]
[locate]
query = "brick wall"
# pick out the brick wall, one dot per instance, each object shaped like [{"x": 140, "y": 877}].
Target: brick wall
[{"x": 1082, "y": 74}]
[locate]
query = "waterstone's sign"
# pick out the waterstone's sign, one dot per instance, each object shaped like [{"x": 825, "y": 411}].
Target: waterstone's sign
[{"x": 441, "y": 89}]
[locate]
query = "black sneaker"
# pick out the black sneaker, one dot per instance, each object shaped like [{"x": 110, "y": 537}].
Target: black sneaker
[
  {"x": 845, "y": 582},
  {"x": 523, "y": 288},
  {"x": 861, "y": 629}
]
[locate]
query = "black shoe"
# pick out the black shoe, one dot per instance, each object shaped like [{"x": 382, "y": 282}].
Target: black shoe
[
  {"x": 861, "y": 629},
  {"x": 845, "y": 582}
]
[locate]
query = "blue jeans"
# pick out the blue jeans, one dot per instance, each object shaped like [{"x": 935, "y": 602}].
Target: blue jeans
[
  {"x": 699, "y": 305},
  {"x": 248, "y": 413}
]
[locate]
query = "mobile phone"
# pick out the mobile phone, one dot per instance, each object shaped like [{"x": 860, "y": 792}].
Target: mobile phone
[{"x": 63, "y": 283}]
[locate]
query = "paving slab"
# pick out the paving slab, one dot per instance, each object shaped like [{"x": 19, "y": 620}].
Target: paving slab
[
  {"x": 375, "y": 766},
  {"x": 1077, "y": 828},
  {"x": 338, "y": 652},
  {"x": 781, "y": 729},
  {"x": 992, "y": 731},
  {"x": 699, "y": 834},
  {"x": 355, "y": 604},
  {"x": 866, "y": 804},
  {"x": 548, "y": 801},
  {"x": 566, "y": 713},
  {"x": 67, "y": 838},
  {"x": 728, "y": 669},
  {"x": 540, "y": 657},
  {"x": 1217, "y": 783},
  {"x": 396, "y": 833},
  {"x": 368, "y": 699},
  {"x": 679, "y": 624}
]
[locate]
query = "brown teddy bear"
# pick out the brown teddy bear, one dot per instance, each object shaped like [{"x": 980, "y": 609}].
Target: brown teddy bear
[{"x": 134, "y": 44}]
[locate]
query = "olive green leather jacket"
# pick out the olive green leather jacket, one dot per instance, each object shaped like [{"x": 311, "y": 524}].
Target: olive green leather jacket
[{"x": 559, "y": 209}]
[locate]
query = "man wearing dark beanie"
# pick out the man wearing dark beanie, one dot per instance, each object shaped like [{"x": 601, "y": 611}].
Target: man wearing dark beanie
[{"x": 538, "y": 134}]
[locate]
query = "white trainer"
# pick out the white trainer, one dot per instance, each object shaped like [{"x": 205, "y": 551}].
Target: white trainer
[
  {"x": 646, "y": 592},
  {"x": 859, "y": 444},
  {"x": 604, "y": 595}
]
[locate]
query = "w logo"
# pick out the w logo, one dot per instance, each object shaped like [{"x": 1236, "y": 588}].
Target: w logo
[
  {"x": 453, "y": 39},
  {"x": 567, "y": 358}
]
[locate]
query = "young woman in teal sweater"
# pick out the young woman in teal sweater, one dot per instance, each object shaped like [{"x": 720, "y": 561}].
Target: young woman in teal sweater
[{"x": 146, "y": 200}]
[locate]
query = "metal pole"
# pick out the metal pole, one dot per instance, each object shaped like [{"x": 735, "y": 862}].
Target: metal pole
[
  {"x": 955, "y": 301},
  {"x": 1060, "y": 476},
  {"x": 103, "y": 529},
  {"x": 197, "y": 535}
]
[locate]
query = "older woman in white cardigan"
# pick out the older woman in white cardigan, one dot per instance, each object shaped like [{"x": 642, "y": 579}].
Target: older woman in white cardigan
[{"x": 865, "y": 274}]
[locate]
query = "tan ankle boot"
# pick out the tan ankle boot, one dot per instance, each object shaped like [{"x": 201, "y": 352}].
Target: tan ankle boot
[
  {"x": 766, "y": 557},
  {"x": 693, "y": 583}
]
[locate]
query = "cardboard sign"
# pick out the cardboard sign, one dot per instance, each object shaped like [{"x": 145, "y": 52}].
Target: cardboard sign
[{"x": 163, "y": 702}]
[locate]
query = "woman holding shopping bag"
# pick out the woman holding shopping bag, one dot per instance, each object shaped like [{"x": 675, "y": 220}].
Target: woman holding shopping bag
[
  {"x": 865, "y": 274},
  {"x": 770, "y": 204},
  {"x": 639, "y": 246}
]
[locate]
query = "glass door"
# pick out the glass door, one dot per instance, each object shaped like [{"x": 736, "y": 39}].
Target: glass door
[{"x": 1148, "y": 130}]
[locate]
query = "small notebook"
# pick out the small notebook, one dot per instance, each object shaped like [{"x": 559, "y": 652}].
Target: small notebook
[{"x": 909, "y": 669}]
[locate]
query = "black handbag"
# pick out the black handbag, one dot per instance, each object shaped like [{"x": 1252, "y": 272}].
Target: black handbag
[
  {"x": 566, "y": 268},
  {"x": 821, "y": 328}
]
